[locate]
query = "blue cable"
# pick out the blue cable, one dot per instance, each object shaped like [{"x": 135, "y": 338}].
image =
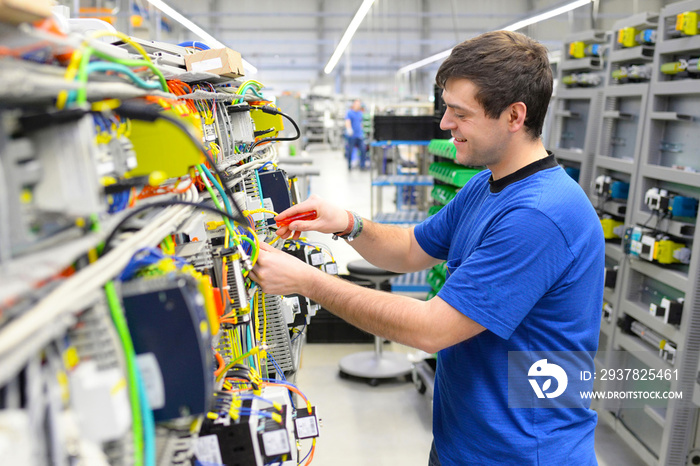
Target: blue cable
[
  {"x": 277, "y": 367},
  {"x": 257, "y": 178},
  {"x": 298, "y": 334},
  {"x": 149, "y": 424},
  {"x": 264, "y": 165},
  {"x": 249, "y": 337},
  {"x": 218, "y": 187},
  {"x": 248, "y": 412},
  {"x": 193, "y": 43},
  {"x": 307, "y": 455}
]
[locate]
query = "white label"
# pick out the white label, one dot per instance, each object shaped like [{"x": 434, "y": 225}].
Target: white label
[
  {"x": 332, "y": 268},
  {"x": 206, "y": 65},
  {"x": 105, "y": 168},
  {"x": 152, "y": 379},
  {"x": 207, "y": 449},
  {"x": 316, "y": 259},
  {"x": 276, "y": 442},
  {"x": 307, "y": 427},
  {"x": 267, "y": 203},
  {"x": 209, "y": 133}
]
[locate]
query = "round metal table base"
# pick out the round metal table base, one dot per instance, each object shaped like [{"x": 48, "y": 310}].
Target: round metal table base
[{"x": 369, "y": 365}]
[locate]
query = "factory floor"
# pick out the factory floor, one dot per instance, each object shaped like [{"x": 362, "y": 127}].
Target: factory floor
[{"x": 389, "y": 424}]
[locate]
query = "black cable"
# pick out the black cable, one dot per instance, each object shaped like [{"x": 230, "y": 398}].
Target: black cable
[
  {"x": 653, "y": 212},
  {"x": 274, "y": 111},
  {"x": 140, "y": 209}
]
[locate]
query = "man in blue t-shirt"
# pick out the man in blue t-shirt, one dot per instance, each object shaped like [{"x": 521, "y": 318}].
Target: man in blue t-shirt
[
  {"x": 355, "y": 134},
  {"x": 525, "y": 256}
]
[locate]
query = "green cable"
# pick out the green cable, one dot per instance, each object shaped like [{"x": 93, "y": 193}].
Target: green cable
[
  {"x": 249, "y": 241},
  {"x": 136, "y": 63},
  {"x": 85, "y": 59},
  {"x": 115, "y": 310},
  {"x": 227, "y": 222}
]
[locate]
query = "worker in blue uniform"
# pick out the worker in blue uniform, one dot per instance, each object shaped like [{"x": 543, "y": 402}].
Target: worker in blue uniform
[
  {"x": 525, "y": 256},
  {"x": 355, "y": 134}
]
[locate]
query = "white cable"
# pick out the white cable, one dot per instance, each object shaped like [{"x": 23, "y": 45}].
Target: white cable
[
  {"x": 271, "y": 156},
  {"x": 87, "y": 280}
]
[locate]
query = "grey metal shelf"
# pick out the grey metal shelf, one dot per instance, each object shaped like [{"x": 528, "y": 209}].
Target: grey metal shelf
[
  {"x": 408, "y": 217},
  {"x": 671, "y": 119},
  {"x": 669, "y": 277},
  {"x": 570, "y": 155},
  {"x": 414, "y": 282},
  {"x": 641, "y": 351},
  {"x": 678, "y": 228},
  {"x": 403, "y": 180},
  {"x": 637, "y": 54},
  {"x": 614, "y": 251},
  {"x": 642, "y": 315},
  {"x": 672, "y": 175},
  {"x": 615, "y": 164},
  {"x": 607, "y": 328}
]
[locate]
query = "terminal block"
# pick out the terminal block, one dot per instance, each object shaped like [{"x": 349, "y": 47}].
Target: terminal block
[
  {"x": 611, "y": 227},
  {"x": 632, "y": 73},
  {"x": 670, "y": 310},
  {"x": 686, "y": 24},
  {"x": 579, "y": 49},
  {"x": 582, "y": 80},
  {"x": 631, "y": 37}
]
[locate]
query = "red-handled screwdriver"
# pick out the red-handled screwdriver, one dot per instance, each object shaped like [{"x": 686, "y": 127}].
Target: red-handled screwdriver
[{"x": 310, "y": 215}]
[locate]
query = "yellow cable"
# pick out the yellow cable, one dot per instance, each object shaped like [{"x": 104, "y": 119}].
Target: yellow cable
[
  {"x": 264, "y": 335},
  {"x": 72, "y": 68},
  {"x": 71, "y": 72},
  {"x": 259, "y": 211},
  {"x": 256, "y": 317},
  {"x": 123, "y": 37}
]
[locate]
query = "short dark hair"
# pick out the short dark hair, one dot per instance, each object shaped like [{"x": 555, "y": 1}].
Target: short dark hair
[{"x": 506, "y": 67}]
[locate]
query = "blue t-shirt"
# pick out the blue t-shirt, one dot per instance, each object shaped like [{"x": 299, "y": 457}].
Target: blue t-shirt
[
  {"x": 355, "y": 117},
  {"x": 525, "y": 258}
]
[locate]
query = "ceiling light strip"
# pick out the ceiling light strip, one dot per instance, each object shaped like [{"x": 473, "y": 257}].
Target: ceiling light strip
[{"x": 347, "y": 36}]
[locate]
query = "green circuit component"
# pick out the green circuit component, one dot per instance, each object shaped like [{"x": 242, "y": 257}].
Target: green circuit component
[
  {"x": 452, "y": 173},
  {"x": 441, "y": 269},
  {"x": 434, "y": 209},
  {"x": 442, "y": 148},
  {"x": 443, "y": 194},
  {"x": 435, "y": 280}
]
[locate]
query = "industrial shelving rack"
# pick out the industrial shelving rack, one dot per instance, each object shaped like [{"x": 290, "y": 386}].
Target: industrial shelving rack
[
  {"x": 617, "y": 157},
  {"x": 619, "y": 146},
  {"x": 668, "y": 126},
  {"x": 577, "y": 104}
]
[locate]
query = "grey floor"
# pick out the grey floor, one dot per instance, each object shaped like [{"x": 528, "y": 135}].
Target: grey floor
[{"x": 389, "y": 424}]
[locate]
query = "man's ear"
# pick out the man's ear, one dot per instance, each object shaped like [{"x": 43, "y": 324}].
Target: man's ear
[{"x": 517, "y": 112}]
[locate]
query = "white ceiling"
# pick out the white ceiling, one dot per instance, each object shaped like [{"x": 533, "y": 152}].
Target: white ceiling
[{"x": 291, "y": 41}]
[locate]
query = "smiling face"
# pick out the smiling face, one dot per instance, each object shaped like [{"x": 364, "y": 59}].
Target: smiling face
[{"x": 479, "y": 140}]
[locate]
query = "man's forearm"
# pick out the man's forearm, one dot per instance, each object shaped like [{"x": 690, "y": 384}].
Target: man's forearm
[
  {"x": 398, "y": 318},
  {"x": 388, "y": 247}
]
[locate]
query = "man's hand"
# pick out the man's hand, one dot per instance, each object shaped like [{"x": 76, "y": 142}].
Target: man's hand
[
  {"x": 280, "y": 273},
  {"x": 330, "y": 218}
]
